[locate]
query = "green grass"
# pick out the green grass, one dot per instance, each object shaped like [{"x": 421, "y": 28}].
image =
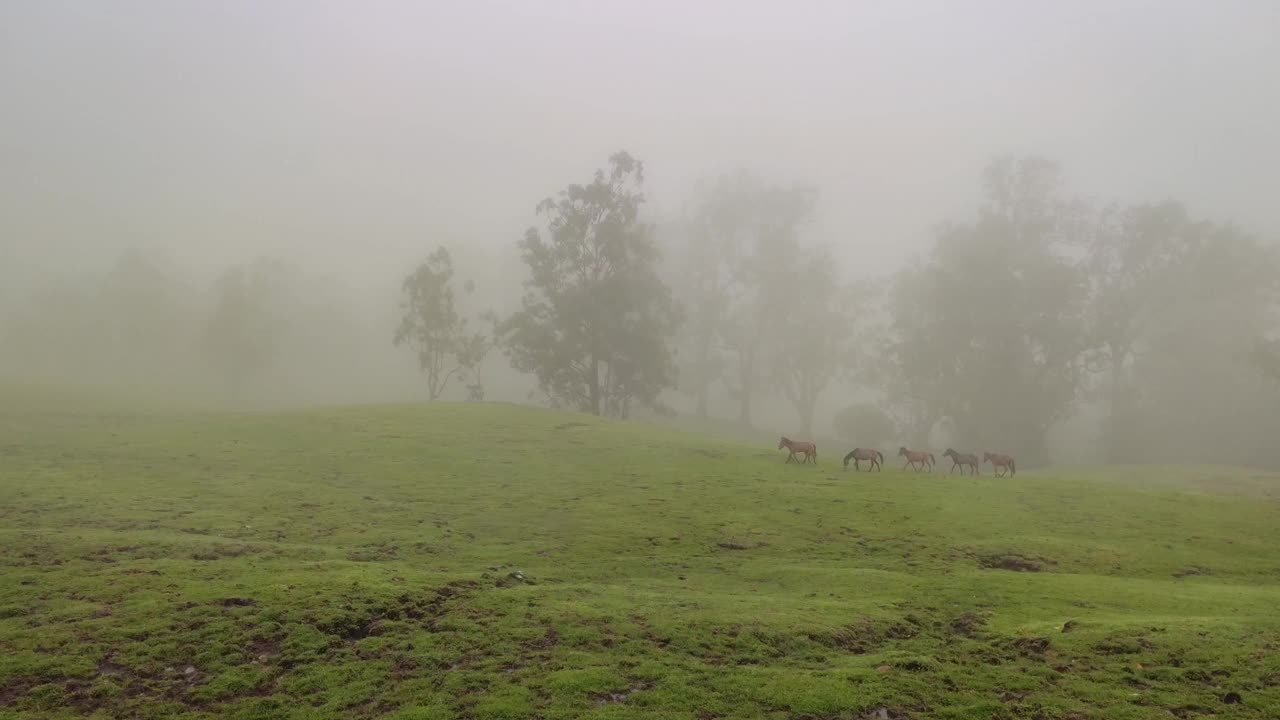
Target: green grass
[{"x": 494, "y": 561}]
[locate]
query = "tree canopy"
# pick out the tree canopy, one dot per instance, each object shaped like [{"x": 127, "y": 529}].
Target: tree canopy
[{"x": 597, "y": 319}]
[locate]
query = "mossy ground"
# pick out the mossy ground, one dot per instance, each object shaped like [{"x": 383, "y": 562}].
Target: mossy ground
[{"x": 495, "y": 561}]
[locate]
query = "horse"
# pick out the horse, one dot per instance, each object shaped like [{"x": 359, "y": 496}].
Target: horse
[
  {"x": 1000, "y": 461},
  {"x": 808, "y": 449},
  {"x": 922, "y": 458},
  {"x": 960, "y": 460},
  {"x": 860, "y": 454}
]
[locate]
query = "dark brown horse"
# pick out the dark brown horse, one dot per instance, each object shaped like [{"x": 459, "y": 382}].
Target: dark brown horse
[
  {"x": 1000, "y": 461},
  {"x": 859, "y": 454},
  {"x": 917, "y": 459},
  {"x": 960, "y": 460},
  {"x": 806, "y": 448}
]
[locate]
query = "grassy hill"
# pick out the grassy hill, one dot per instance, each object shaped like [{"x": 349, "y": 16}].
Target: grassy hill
[{"x": 494, "y": 561}]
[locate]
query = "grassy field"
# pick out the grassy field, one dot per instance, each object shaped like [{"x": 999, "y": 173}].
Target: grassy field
[{"x": 493, "y": 561}]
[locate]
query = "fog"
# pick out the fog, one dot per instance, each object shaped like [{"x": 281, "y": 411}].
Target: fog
[{"x": 347, "y": 141}]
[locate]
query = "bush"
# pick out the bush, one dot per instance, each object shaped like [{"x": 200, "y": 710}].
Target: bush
[{"x": 865, "y": 425}]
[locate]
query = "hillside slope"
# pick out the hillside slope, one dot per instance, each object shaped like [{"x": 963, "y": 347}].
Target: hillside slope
[{"x": 494, "y": 561}]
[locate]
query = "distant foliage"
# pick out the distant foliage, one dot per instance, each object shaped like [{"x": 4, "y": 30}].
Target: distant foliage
[
  {"x": 990, "y": 332},
  {"x": 865, "y": 424},
  {"x": 1180, "y": 305},
  {"x": 242, "y": 336},
  {"x": 597, "y": 319},
  {"x": 740, "y": 274},
  {"x": 434, "y": 329},
  {"x": 818, "y": 342}
]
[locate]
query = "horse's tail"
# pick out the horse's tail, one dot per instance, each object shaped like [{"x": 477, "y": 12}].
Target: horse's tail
[
  {"x": 1013, "y": 467},
  {"x": 881, "y": 455},
  {"x": 931, "y": 460},
  {"x": 849, "y": 456}
]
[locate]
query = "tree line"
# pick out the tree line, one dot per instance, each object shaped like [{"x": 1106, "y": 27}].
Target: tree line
[
  {"x": 1155, "y": 329},
  {"x": 1037, "y": 307}
]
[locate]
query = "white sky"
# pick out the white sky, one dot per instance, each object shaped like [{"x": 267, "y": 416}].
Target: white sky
[{"x": 356, "y": 135}]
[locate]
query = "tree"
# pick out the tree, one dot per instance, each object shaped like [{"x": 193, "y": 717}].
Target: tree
[
  {"x": 596, "y": 318},
  {"x": 764, "y": 263},
  {"x": 989, "y": 333},
  {"x": 816, "y": 342},
  {"x": 865, "y": 424},
  {"x": 241, "y": 336},
  {"x": 471, "y": 355},
  {"x": 697, "y": 272},
  {"x": 1134, "y": 257},
  {"x": 1194, "y": 375},
  {"x": 433, "y": 327},
  {"x": 1177, "y": 307}
]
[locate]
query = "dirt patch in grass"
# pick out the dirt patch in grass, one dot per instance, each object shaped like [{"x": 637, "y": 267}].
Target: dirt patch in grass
[
  {"x": 15, "y": 689},
  {"x": 865, "y": 636},
  {"x": 738, "y": 543},
  {"x": 106, "y": 666},
  {"x": 549, "y": 639},
  {"x": 621, "y": 695},
  {"x": 374, "y": 553},
  {"x": 263, "y": 649},
  {"x": 361, "y": 618},
  {"x": 1190, "y": 710},
  {"x": 1120, "y": 645},
  {"x": 223, "y": 551},
  {"x": 1015, "y": 562},
  {"x": 1030, "y": 646},
  {"x": 968, "y": 624}
]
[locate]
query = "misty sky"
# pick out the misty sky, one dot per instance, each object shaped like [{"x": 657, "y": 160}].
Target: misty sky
[{"x": 356, "y": 135}]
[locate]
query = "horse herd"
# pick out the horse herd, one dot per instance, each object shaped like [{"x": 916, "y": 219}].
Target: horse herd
[{"x": 917, "y": 459}]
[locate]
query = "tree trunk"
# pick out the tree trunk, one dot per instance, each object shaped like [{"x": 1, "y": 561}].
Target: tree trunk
[
  {"x": 1118, "y": 436},
  {"x": 593, "y": 386},
  {"x": 805, "y": 409},
  {"x": 747, "y": 370}
]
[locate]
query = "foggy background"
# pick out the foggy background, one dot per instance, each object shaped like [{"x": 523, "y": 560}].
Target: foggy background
[{"x": 149, "y": 149}]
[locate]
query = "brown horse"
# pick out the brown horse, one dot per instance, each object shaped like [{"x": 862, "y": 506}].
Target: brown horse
[
  {"x": 859, "y": 454},
  {"x": 960, "y": 460},
  {"x": 808, "y": 449},
  {"x": 1000, "y": 461},
  {"x": 917, "y": 459}
]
